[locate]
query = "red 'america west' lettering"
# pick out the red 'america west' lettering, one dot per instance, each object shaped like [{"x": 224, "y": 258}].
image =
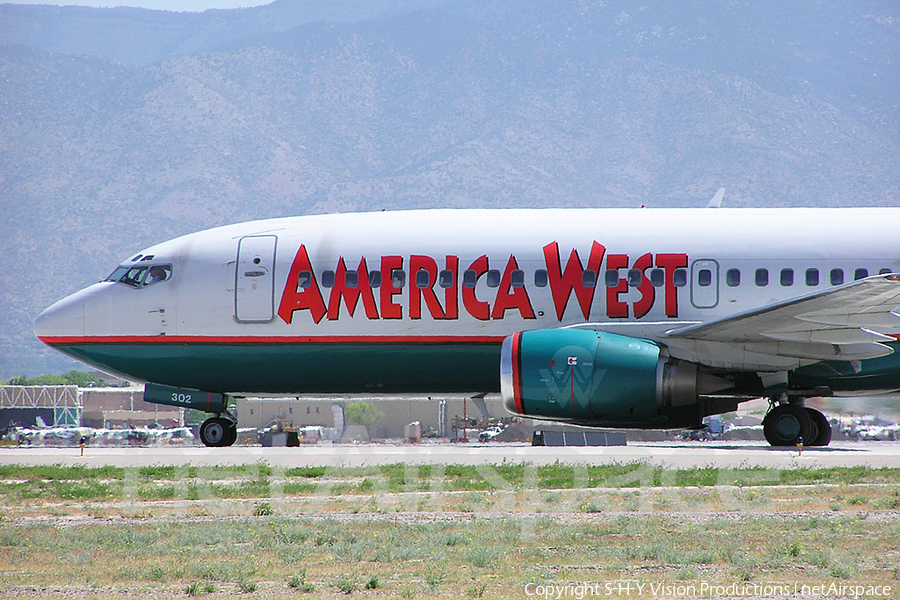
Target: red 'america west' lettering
[{"x": 436, "y": 288}]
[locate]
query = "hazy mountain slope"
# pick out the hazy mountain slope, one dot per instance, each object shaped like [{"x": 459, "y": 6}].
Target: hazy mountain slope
[
  {"x": 136, "y": 37},
  {"x": 553, "y": 104}
]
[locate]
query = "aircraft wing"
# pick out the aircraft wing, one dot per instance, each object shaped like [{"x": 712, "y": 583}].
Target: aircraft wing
[{"x": 849, "y": 322}]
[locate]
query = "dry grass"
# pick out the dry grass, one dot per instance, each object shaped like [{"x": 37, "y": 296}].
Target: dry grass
[{"x": 440, "y": 532}]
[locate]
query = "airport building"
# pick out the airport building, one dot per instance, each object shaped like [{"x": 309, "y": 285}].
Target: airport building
[
  {"x": 30, "y": 406},
  {"x": 71, "y": 406}
]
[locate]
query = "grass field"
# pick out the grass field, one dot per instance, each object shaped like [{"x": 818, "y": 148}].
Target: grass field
[{"x": 497, "y": 531}]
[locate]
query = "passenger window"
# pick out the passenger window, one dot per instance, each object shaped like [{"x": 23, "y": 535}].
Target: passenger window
[
  {"x": 304, "y": 280},
  {"x": 470, "y": 278},
  {"x": 328, "y": 279},
  {"x": 135, "y": 276},
  {"x": 657, "y": 278},
  {"x": 493, "y": 278},
  {"x": 860, "y": 274},
  {"x": 375, "y": 279},
  {"x": 787, "y": 277},
  {"x": 762, "y": 277},
  {"x": 812, "y": 277},
  {"x": 704, "y": 278},
  {"x": 351, "y": 279},
  {"x": 445, "y": 278},
  {"x": 680, "y": 277},
  {"x": 589, "y": 278},
  {"x": 733, "y": 277},
  {"x": 398, "y": 278},
  {"x": 517, "y": 278},
  {"x": 540, "y": 278},
  {"x": 635, "y": 276},
  {"x": 611, "y": 278},
  {"x": 837, "y": 276},
  {"x": 423, "y": 279}
]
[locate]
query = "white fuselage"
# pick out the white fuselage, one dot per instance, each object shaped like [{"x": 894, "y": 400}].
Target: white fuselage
[{"x": 245, "y": 282}]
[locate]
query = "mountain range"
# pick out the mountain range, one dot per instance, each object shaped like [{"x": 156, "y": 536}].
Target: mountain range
[{"x": 120, "y": 128}]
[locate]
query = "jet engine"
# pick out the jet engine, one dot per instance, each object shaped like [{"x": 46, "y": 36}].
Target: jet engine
[{"x": 604, "y": 380}]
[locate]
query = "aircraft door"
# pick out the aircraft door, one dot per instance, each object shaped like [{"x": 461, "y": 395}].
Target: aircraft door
[
  {"x": 254, "y": 288},
  {"x": 704, "y": 283}
]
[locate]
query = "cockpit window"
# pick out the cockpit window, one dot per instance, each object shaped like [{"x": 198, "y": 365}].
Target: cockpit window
[
  {"x": 158, "y": 273},
  {"x": 134, "y": 277},
  {"x": 117, "y": 274},
  {"x": 141, "y": 276}
]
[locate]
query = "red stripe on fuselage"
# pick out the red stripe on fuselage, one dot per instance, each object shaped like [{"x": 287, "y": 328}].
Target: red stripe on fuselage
[{"x": 242, "y": 339}]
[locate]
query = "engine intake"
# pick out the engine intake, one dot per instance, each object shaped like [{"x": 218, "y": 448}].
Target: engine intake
[{"x": 602, "y": 380}]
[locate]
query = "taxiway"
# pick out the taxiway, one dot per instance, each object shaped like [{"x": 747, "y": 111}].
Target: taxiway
[{"x": 673, "y": 455}]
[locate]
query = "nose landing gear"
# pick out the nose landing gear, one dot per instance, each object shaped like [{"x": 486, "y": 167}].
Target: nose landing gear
[{"x": 218, "y": 432}]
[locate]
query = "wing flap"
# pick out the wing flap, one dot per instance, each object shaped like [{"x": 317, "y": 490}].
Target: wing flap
[
  {"x": 829, "y": 336},
  {"x": 880, "y": 321}
]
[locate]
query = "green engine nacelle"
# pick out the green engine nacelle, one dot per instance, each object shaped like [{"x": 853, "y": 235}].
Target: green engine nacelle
[
  {"x": 598, "y": 379},
  {"x": 206, "y": 401}
]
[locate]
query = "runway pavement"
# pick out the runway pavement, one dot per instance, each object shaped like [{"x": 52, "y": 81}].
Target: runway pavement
[{"x": 677, "y": 455}]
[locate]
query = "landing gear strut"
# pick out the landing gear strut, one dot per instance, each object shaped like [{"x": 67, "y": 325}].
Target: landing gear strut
[
  {"x": 218, "y": 432},
  {"x": 785, "y": 423}
]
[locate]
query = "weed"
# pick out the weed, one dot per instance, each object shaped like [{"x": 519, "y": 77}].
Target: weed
[
  {"x": 198, "y": 589},
  {"x": 794, "y": 549},
  {"x": 347, "y": 583},
  {"x": 373, "y": 583},
  {"x": 841, "y": 570},
  {"x": 434, "y": 576},
  {"x": 263, "y": 509},
  {"x": 476, "y": 591},
  {"x": 482, "y": 556},
  {"x": 299, "y": 582}
]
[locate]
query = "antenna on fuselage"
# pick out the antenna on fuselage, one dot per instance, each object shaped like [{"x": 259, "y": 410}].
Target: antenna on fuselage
[{"x": 716, "y": 201}]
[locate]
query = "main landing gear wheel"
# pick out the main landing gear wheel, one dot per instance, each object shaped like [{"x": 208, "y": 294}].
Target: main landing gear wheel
[
  {"x": 787, "y": 422},
  {"x": 218, "y": 432},
  {"x": 823, "y": 438}
]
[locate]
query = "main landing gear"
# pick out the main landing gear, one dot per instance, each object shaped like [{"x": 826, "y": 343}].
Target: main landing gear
[
  {"x": 786, "y": 423},
  {"x": 218, "y": 432}
]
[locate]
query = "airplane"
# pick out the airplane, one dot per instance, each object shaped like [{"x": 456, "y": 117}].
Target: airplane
[{"x": 620, "y": 318}]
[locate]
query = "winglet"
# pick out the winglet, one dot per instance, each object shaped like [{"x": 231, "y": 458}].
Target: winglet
[{"x": 716, "y": 201}]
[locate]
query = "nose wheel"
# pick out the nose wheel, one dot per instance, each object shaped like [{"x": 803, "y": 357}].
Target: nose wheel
[{"x": 218, "y": 432}]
